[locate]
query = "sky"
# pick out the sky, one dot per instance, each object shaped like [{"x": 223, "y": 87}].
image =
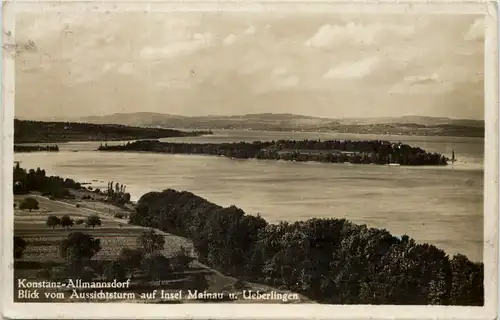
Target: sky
[{"x": 193, "y": 64}]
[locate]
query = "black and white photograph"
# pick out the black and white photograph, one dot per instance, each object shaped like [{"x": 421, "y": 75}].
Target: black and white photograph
[{"x": 219, "y": 158}]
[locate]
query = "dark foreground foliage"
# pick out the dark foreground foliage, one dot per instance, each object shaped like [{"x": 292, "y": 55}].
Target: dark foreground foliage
[
  {"x": 330, "y": 151},
  {"x": 329, "y": 260},
  {"x": 41, "y": 132},
  {"x": 19, "y": 247}
]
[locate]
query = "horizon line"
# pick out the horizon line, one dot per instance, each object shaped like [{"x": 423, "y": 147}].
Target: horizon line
[{"x": 247, "y": 114}]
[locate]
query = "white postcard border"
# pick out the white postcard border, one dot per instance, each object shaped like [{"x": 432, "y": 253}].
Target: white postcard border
[{"x": 264, "y": 311}]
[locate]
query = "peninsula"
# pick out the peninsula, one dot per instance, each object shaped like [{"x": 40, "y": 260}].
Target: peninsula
[
  {"x": 46, "y": 132},
  {"x": 35, "y": 148},
  {"x": 330, "y": 151}
]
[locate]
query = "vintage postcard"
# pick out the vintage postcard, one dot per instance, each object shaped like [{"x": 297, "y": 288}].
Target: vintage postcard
[{"x": 249, "y": 160}]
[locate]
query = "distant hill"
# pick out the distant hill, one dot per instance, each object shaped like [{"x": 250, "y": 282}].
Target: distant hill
[
  {"x": 42, "y": 132},
  {"x": 413, "y": 125},
  {"x": 420, "y": 120}
]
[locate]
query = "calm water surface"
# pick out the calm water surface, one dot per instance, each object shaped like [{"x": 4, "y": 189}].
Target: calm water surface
[{"x": 442, "y": 206}]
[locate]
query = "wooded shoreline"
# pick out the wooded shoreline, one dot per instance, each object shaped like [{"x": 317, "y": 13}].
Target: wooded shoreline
[{"x": 51, "y": 132}]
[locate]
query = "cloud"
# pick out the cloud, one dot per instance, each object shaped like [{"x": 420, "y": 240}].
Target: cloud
[
  {"x": 432, "y": 84},
  {"x": 229, "y": 40},
  {"x": 278, "y": 71},
  {"x": 421, "y": 88},
  {"x": 476, "y": 30},
  {"x": 422, "y": 79},
  {"x": 328, "y": 35},
  {"x": 291, "y": 81},
  {"x": 174, "y": 84},
  {"x": 276, "y": 82},
  {"x": 250, "y": 30},
  {"x": 108, "y": 66},
  {"x": 198, "y": 41},
  {"x": 352, "y": 70},
  {"x": 126, "y": 68}
]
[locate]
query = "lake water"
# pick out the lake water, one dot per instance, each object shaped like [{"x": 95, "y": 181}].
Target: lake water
[{"x": 438, "y": 205}]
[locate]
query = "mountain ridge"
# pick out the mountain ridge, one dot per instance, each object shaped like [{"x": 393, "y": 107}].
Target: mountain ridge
[{"x": 406, "y": 125}]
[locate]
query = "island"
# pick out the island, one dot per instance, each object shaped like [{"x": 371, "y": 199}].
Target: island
[
  {"x": 35, "y": 148},
  {"x": 330, "y": 151},
  {"x": 46, "y": 132}
]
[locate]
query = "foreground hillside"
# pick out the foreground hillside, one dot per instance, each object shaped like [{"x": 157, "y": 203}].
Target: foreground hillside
[
  {"x": 330, "y": 261},
  {"x": 46, "y": 132}
]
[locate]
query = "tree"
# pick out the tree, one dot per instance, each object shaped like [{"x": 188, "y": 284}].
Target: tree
[
  {"x": 93, "y": 221},
  {"x": 114, "y": 270},
  {"x": 79, "y": 246},
  {"x": 131, "y": 259},
  {"x": 66, "y": 221},
  {"x": 29, "y": 203},
  {"x": 19, "y": 247},
  {"x": 151, "y": 242},
  {"x": 53, "y": 221},
  {"x": 467, "y": 286},
  {"x": 126, "y": 197}
]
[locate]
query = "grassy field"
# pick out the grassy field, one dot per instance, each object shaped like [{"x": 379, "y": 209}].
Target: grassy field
[{"x": 115, "y": 234}]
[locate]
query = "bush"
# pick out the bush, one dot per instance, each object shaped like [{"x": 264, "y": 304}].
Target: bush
[
  {"x": 79, "y": 221},
  {"x": 181, "y": 259},
  {"x": 45, "y": 273},
  {"x": 77, "y": 205},
  {"x": 131, "y": 259},
  {"x": 156, "y": 266},
  {"x": 114, "y": 270},
  {"x": 239, "y": 285},
  {"x": 197, "y": 281},
  {"x": 119, "y": 215}
]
